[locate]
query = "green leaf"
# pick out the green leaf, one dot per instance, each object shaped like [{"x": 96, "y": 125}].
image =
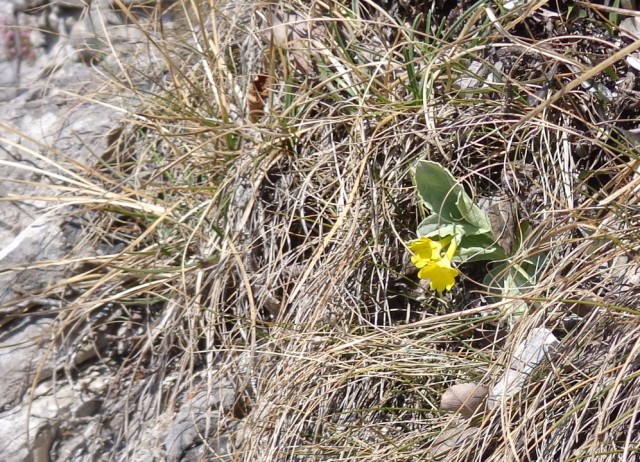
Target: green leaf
[
  {"x": 472, "y": 246},
  {"x": 480, "y": 247},
  {"x": 446, "y": 198},
  {"x": 434, "y": 226},
  {"x": 472, "y": 213},
  {"x": 437, "y": 189},
  {"x": 513, "y": 279}
]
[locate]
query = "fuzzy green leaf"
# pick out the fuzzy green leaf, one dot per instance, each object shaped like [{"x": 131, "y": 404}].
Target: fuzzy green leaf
[
  {"x": 472, "y": 247},
  {"x": 446, "y": 198},
  {"x": 435, "y": 226},
  {"x": 515, "y": 279},
  {"x": 480, "y": 247}
]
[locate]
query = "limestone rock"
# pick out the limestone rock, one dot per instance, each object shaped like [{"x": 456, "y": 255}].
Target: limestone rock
[
  {"x": 20, "y": 359},
  {"x": 198, "y": 420}
]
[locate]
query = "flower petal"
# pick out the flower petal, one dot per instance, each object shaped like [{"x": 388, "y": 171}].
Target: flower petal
[
  {"x": 419, "y": 262},
  {"x": 440, "y": 274},
  {"x": 425, "y": 249}
]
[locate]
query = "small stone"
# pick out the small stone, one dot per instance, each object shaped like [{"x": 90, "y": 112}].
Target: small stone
[
  {"x": 464, "y": 398},
  {"x": 98, "y": 386}
]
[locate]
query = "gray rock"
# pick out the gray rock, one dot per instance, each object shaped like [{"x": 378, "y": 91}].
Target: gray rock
[
  {"x": 72, "y": 4},
  {"x": 21, "y": 354},
  {"x": 27, "y": 5},
  {"x": 30, "y": 427},
  {"x": 6, "y": 9},
  {"x": 198, "y": 420},
  {"x": 32, "y": 230},
  {"x": 45, "y": 130}
]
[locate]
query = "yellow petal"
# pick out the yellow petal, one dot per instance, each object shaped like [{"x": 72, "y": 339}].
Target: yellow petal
[
  {"x": 451, "y": 251},
  {"x": 419, "y": 262},
  {"x": 425, "y": 249},
  {"x": 440, "y": 274}
]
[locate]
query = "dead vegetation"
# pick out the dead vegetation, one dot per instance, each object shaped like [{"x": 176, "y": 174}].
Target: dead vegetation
[{"x": 260, "y": 198}]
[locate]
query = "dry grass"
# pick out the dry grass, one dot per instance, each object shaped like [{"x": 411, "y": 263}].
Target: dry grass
[{"x": 269, "y": 247}]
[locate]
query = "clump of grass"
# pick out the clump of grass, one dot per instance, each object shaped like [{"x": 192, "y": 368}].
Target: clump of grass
[{"x": 262, "y": 197}]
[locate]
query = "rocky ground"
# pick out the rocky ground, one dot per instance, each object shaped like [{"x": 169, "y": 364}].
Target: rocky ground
[{"x": 53, "y": 59}]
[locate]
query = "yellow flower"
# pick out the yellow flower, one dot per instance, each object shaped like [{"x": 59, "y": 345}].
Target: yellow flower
[
  {"x": 424, "y": 251},
  {"x": 440, "y": 273},
  {"x": 433, "y": 264}
]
